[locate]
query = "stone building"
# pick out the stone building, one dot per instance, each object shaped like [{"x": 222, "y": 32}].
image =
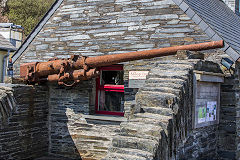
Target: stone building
[
  {"x": 174, "y": 107},
  {"x": 6, "y": 48}
]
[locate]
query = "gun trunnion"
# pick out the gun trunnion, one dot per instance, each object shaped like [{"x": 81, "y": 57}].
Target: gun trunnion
[{"x": 79, "y": 68}]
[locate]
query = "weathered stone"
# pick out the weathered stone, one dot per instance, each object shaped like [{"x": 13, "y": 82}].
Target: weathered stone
[
  {"x": 42, "y": 47},
  {"x": 27, "y": 122},
  {"x": 69, "y": 38},
  {"x": 99, "y": 27}
]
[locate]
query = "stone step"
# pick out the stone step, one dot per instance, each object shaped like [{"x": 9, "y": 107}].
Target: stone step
[
  {"x": 145, "y": 120},
  {"x": 155, "y": 99},
  {"x": 135, "y": 143},
  {"x": 132, "y": 152},
  {"x": 177, "y": 62},
  {"x": 162, "y": 120},
  {"x": 161, "y": 89},
  {"x": 172, "y": 84},
  {"x": 159, "y": 117},
  {"x": 169, "y": 74},
  {"x": 152, "y": 80},
  {"x": 141, "y": 130},
  {"x": 171, "y": 66},
  {"x": 158, "y": 110},
  {"x": 172, "y": 69},
  {"x": 157, "y": 122},
  {"x": 120, "y": 156}
]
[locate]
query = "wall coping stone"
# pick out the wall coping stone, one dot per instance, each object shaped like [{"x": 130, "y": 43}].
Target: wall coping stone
[{"x": 209, "y": 73}]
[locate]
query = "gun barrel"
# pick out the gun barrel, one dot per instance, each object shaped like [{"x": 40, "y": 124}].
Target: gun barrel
[
  {"x": 124, "y": 57},
  {"x": 33, "y": 71}
]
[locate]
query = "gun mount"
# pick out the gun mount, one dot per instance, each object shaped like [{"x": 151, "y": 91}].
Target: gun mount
[{"x": 79, "y": 68}]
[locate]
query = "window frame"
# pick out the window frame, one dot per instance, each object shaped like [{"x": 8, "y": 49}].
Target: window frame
[{"x": 108, "y": 87}]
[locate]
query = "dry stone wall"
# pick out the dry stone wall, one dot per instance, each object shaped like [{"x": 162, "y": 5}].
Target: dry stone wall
[
  {"x": 71, "y": 135},
  {"x": 65, "y": 118},
  {"x": 229, "y": 117},
  {"x": 161, "y": 126},
  {"x": 52, "y": 121},
  {"x": 237, "y": 100},
  {"x": 227, "y": 126},
  {"x": 8, "y": 103},
  {"x": 100, "y": 27},
  {"x": 24, "y": 135}
]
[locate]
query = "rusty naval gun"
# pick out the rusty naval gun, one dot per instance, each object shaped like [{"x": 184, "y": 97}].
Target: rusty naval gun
[{"x": 77, "y": 68}]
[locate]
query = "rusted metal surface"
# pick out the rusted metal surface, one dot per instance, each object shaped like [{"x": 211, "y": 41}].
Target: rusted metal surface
[
  {"x": 63, "y": 70},
  {"x": 28, "y": 71},
  {"x": 73, "y": 77},
  {"x": 124, "y": 57}
]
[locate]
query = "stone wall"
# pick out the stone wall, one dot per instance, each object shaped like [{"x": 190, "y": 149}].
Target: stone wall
[
  {"x": 8, "y": 103},
  {"x": 237, "y": 100},
  {"x": 72, "y": 135},
  {"x": 228, "y": 147},
  {"x": 98, "y": 27},
  {"x": 227, "y": 124},
  {"x": 25, "y": 134},
  {"x": 66, "y": 104},
  {"x": 161, "y": 126}
]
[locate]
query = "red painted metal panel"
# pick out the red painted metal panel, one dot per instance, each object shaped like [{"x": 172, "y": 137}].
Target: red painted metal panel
[
  {"x": 112, "y": 68},
  {"x": 113, "y": 88},
  {"x": 110, "y": 113},
  {"x": 108, "y": 87}
]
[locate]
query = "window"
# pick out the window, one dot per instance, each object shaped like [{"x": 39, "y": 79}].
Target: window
[{"x": 110, "y": 91}]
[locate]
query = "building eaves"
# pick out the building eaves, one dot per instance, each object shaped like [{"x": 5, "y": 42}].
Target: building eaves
[
  {"x": 6, "y": 45},
  {"x": 36, "y": 30},
  {"x": 217, "y": 20}
]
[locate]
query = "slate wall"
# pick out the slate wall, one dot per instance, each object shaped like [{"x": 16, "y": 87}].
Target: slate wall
[
  {"x": 160, "y": 126},
  {"x": 198, "y": 143},
  {"x": 98, "y": 27},
  {"x": 237, "y": 95},
  {"x": 228, "y": 146},
  {"x": 66, "y": 104},
  {"x": 71, "y": 135},
  {"x": 25, "y": 134}
]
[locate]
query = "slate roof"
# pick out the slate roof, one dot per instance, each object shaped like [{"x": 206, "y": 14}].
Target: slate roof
[
  {"x": 217, "y": 20},
  {"x": 213, "y": 17},
  {"x": 5, "y": 44}
]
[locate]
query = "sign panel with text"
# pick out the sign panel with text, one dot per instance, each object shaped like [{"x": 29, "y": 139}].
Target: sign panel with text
[{"x": 137, "y": 78}]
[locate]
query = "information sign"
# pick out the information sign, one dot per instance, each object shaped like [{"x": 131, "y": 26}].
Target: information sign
[{"x": 137, "y": 78}]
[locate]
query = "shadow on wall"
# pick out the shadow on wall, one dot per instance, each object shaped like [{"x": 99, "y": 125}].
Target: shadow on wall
[
  {"x": 65, "y": 122},
  {"x": 28, "y": 133},
  {"x": 49, "y": 124},
  {"x": 71, "y": 135},
  {"x": 24, "y": 135}
]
